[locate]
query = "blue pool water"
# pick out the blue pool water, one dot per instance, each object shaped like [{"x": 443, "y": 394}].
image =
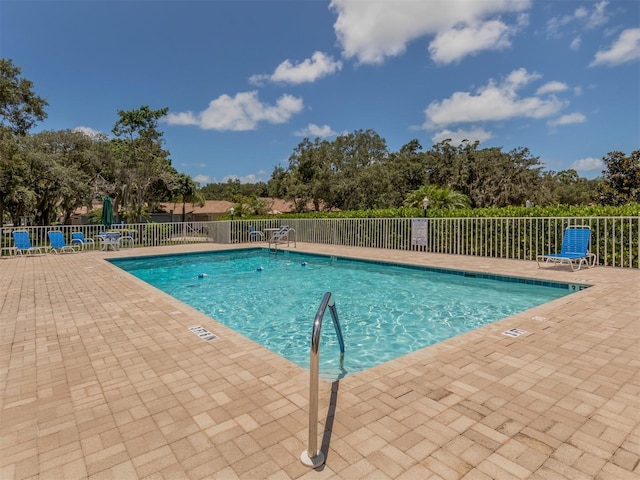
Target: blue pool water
[{"x": 385, "y": 310}]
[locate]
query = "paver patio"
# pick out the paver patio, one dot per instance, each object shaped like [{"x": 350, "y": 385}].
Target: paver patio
[{"x": 100, "y": 378}]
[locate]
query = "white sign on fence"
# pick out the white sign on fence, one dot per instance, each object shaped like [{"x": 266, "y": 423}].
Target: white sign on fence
[{"x": 418, "y": 231}]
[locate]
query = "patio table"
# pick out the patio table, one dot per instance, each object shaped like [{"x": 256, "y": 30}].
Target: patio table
[
  {"x": 109, "y": 240},
  {"x": 268, "y": 232}
]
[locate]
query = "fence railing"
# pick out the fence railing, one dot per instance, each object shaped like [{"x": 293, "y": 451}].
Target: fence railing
[
  {"x": 143, "y": 234},
  {"x": 614, "y": 239}
]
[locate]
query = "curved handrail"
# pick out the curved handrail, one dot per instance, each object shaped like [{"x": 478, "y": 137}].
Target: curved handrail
[
  {"x": 327, "y": 301},
  {"x": 312, "y": 457}
]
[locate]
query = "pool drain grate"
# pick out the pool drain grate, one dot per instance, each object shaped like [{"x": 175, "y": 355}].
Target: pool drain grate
[
  {"x": 514, "y": 332},
  {"x": 203, "y": 333}
]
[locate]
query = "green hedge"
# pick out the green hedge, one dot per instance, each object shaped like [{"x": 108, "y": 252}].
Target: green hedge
[{"x": 629, "y": 210}]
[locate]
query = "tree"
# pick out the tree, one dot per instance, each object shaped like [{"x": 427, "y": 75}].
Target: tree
[
  {"x": 407, "y": 172},
  {"x": 353, "y": 158},
  {"x": 621, "y": 179},
  {"x": 309, "y": 179},
  {"x": 17, "y": 197},
  {"x": 20, "y": 107},
  {"x": 185, "y": 190},
  {"x": 277, "y": 184},
  {"x": 63, "y": 163},
  {"x": 232, "y": 187},
  {"x": 249, "y": 205},
  {"x": 141, "y": 159},
  {"x": 568, "y": 188},
  {"x": 439, "y": 197},
  {"x": 489, "y": 177}
]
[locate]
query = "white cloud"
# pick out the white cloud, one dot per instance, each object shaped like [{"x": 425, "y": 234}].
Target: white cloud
[
  {"x": 318, "y": 66},
  {"x": 458, "y": 42},
  {"x": 251, "y": 178},
  {"x": 239, "y": 113},
  {"x": 587, "y": 164},
  {"x": 589, "y": 19},
  {"x": 460, "y": 135},
  {"x": 89, "y": 132},
  {"x": 552, "y": 87},
  {"x": 575, "y": 43},
  {"x": 202, "y": 179},
  {"x": 625, "y": 49},
  {"x": 493, "y": 102},
  {"x": 182, "y": 118},
  {"x": 372, "y": 31},
  {"x": 568, "y": 119},
  {"x": 313, "y": 130},
  {"x": 598, "y": 16}
]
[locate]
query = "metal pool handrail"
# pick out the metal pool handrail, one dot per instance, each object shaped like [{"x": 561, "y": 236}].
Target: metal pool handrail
[{"x": 312, "y": 457}]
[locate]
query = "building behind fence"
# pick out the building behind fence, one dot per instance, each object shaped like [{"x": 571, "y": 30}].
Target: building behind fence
[{"x": 614, "y": 240}]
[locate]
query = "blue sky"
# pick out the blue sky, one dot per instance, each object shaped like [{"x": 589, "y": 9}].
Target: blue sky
[{"x": 246, "y": 80}]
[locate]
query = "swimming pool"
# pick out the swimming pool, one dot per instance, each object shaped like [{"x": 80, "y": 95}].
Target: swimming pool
[{"x": 385, "y": 310}]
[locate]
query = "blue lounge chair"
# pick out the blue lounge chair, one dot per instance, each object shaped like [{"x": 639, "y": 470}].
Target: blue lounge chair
[
  {"x": 59, "y": 244},
  {"x": 22, "y": 243},
  {"x": 78, "y": 238},
  {"x": 574, "y": 250}
]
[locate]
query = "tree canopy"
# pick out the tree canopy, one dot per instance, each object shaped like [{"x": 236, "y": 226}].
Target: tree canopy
[
  {"x": 356, "y": 171},
  {"x": 143, "y": 171},
  {"x": 621, "y": 179},
  {"x": 20, "y": 107}
]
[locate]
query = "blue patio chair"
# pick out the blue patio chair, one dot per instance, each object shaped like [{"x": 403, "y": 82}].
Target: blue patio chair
[
  {"x": 255, "y": 234},
  {"x": 574, "y": 250},
  {"x": 78, "y": 238},
  {"x": 58, "y": 243},
  {"x": 22, "y": 243},
  {"x": 127, "y": 238}
]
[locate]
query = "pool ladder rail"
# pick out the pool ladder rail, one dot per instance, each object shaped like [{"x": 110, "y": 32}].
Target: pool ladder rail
[
  {"x": 312, "y": 457},
  {"x": 282, "y": 236}
]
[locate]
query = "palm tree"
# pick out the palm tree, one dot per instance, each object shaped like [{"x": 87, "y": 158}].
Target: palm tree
[
  {"x": 186, "y": 191},
  {"x": 439, "y": 198}
]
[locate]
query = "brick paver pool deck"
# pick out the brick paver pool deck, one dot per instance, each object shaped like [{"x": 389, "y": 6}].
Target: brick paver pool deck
[{"x": 100, "y": 378}]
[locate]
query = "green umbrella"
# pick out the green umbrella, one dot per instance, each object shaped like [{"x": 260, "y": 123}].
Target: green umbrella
[{"x": 107, "y": 212}]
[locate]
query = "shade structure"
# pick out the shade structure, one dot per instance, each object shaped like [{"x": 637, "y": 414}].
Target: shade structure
[{"x": 107, "y": 212}]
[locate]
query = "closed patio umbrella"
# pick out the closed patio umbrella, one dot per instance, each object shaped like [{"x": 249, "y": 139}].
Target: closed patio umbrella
[{"x": 107, "y": 212}]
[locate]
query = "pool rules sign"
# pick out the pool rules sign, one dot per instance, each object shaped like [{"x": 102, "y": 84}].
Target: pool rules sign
[{"x": 418, "y": 231}]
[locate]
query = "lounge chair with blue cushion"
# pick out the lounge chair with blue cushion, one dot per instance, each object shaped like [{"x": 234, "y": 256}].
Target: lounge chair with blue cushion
[
  {"x": 127, "y": 238},
  {"x": 22, "y": 243},
  {"x": 78, "y": 238},
  {"x": 282, "y": 236},
  {"x": 255, "y": 234},
  {"x": 59, "y": 244},
  {"x": 574, "y": 250}
]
